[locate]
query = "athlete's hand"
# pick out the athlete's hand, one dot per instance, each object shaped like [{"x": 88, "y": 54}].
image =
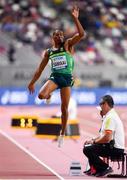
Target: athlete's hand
[
  {"x": 75, "y": 11},
  {"x": 31, "y": 88}
]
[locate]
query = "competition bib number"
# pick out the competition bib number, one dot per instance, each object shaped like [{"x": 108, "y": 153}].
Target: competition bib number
[{"x": 59, "y": 62}]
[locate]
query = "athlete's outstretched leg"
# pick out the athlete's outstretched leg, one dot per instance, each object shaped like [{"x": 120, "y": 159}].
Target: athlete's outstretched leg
[{"x": 65, "y": 97}]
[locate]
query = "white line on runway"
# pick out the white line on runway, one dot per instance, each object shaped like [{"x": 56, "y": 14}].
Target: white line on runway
[{"x": 30, "y": 154}]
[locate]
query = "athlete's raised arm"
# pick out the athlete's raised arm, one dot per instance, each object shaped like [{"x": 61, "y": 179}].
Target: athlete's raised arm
[{"x": 80, "y": 31}]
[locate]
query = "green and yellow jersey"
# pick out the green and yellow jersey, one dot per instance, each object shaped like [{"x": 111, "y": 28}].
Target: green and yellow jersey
[{"x": 61, "y": 61}]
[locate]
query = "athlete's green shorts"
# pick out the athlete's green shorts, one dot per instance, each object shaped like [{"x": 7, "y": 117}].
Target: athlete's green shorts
[{"x": 62, "y": 80}]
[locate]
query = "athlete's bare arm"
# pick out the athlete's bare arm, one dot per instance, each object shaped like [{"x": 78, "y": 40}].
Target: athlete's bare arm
[
  {"x": 81, "y": 33},
  {"x": 38, "y": 72}
]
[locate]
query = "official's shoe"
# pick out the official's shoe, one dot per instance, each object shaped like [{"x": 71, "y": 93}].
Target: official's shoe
[
  {"x": 88, "y": 172},
  {"x": 60, "y": 140},
  {"x": 105, "y": 172}
]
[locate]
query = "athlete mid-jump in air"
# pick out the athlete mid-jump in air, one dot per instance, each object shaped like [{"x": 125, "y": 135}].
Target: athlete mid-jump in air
[{"x": 62, "y": 64}]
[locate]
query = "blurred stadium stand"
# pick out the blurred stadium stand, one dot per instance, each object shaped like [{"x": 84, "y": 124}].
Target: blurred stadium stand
[{"x": 25, "y": 28}]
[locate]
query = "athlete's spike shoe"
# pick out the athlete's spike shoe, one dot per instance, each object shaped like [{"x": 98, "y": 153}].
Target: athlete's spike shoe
[
  {"x": 48, "y": 101},
  {"x": 60, "y": 140}
]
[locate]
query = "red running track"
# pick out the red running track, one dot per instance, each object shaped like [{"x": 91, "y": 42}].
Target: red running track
[
  {"x": 24, "y": 156},
  {"x": 16, "y": 163}
]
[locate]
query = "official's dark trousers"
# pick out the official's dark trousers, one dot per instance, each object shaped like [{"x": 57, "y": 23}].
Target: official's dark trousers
[{"x": 95, "y": 151}]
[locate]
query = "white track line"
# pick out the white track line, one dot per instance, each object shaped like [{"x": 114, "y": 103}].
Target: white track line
[{"x": 29, "y": 153}]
